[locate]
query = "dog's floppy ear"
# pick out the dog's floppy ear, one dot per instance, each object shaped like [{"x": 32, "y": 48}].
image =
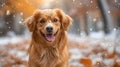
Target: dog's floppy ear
[
  {"x": 66, "y": 22},
  {"x": 30, "y": 22},
  {"x": 64, "y": 19}
]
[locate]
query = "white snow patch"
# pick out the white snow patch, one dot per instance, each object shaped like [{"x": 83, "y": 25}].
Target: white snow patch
[
  {"x": 118, "y": 49},
  {"x": 108, "y": 62},
  {"x": 6, "y": 40},
  {"x": 97, "y": 35},
  {"x": 11, "y": 38},
  {"x": 75, "y": 54}
]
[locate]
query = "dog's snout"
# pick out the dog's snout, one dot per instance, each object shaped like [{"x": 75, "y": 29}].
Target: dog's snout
[{"x": 49, "y": 29}]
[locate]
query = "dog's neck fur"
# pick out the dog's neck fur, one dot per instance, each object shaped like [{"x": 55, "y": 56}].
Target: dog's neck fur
[{"x": 48, "y": 55}]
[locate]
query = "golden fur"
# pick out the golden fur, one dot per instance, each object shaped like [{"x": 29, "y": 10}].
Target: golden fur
[{"x": 43, "y": 53}]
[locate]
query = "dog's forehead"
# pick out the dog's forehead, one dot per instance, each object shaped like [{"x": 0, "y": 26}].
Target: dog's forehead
[{"x": 48, "y": 12}]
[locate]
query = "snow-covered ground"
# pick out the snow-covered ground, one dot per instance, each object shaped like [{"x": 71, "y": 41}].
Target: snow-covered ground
[{"x": 96, "y": 50}]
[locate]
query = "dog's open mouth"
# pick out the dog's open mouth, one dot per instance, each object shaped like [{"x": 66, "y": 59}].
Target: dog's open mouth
[{"x": 49, "y": 36}]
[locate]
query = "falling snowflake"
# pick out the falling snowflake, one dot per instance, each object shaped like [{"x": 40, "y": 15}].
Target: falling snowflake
[
  {"x": 9, "y": 27},
  {"x": 91, "y": 1},
  {"x": 7, "y": 12},
  {"x": 73, "y": 0},
  {"x": 109, "y": 11},
  {"x": 80, "y": 3},
  {"x": 20, "y": 22},
  {"x": 115, "y": 1},
  {"x": 82, "y": 34},
  {"x": 87, "y": 12},
  {"x": 7, "y": 23},
  {"x": 94, "y": 19},
  {"x": 91, "y": 29},
  {"x": 114, "y": 29},
  {"x": 21, "y": 13}
]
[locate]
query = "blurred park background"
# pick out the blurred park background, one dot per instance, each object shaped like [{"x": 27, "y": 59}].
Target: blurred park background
[{"x": 94, "y": 36}]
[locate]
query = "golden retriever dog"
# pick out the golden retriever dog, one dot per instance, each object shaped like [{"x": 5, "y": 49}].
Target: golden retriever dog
[{"x": 49, "y": 47}]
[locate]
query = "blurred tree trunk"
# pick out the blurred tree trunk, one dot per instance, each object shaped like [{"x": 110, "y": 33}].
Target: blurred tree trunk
[
  {"x": 18, "y": 28},
  {"x": 84, "y": 24},
  {"x": 9, "y": 23},
  {"x": 75, "y": 27},
  {"x": 118, "y": 27},
  {"x": 107, "y": 22}
]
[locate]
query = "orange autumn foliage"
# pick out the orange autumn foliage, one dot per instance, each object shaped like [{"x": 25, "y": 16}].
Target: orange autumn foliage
[
  {"x": 25, "y": 6},
  {"x": 86, "y": 62}
]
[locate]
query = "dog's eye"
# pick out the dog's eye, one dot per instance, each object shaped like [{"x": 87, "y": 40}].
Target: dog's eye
[
  {"x": 42, "y": 21},
  {"x": 55, "y": 20}
]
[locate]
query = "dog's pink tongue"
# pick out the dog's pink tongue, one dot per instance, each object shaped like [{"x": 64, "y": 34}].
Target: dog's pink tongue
[{"x": 50, "y": 37}]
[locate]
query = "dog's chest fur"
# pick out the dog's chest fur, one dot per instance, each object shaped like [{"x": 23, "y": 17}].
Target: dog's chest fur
[{"x": 49, "y": 57}]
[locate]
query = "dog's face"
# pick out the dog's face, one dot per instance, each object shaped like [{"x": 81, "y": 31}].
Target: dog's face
[{"x": 48, "y": 23}]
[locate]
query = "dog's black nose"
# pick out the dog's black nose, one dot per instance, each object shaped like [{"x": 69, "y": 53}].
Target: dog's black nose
[{"x": 49, "y": 29}]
